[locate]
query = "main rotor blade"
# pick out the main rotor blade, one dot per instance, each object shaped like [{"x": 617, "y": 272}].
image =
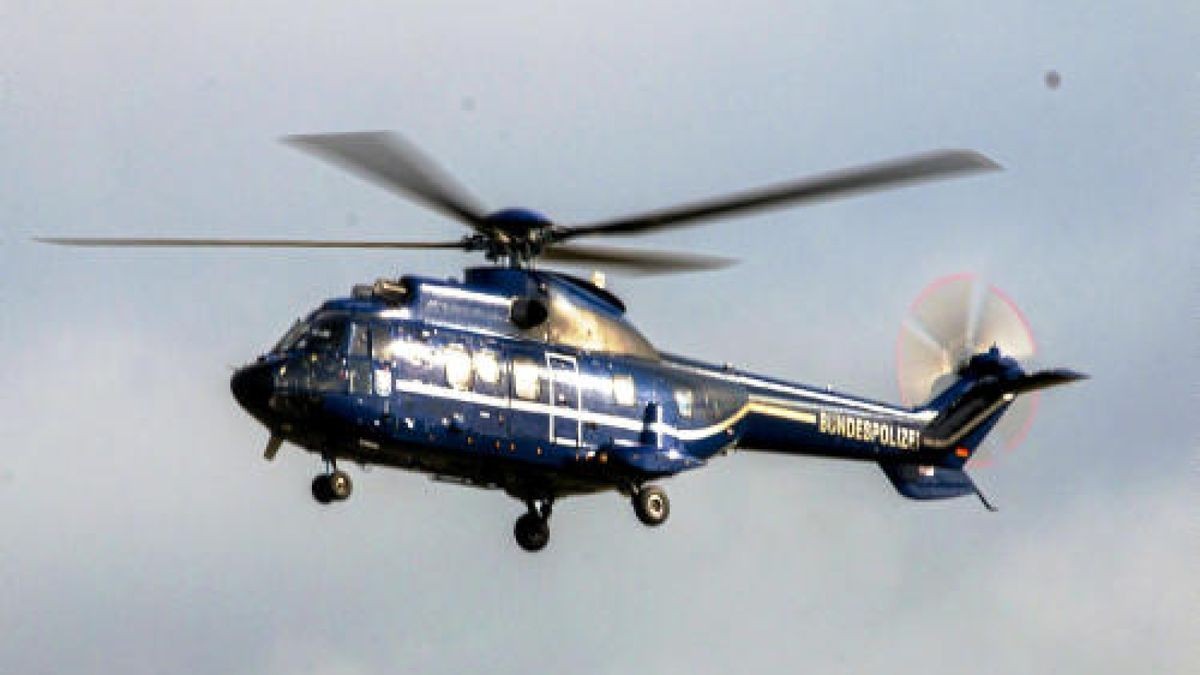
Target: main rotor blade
[
  {"x": 390, "y": 161},
  {"x": 153, "y": 242},
  {"x": 906, "y": 170},
  {"x": 635, "y": 260}
]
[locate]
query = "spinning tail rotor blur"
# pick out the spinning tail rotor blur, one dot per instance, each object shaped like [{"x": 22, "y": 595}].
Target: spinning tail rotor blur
[{"x": 954, "y": 318}]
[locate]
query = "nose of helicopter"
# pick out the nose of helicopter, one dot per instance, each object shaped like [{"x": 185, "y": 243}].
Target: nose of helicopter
[{"x": 252, "y": 386}]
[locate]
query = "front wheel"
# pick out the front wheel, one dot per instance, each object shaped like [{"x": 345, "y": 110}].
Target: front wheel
[
  {"x": 532, "y": 532},
  {"x": 322, "y": 491},
  {"x": 651, "y": 505}
]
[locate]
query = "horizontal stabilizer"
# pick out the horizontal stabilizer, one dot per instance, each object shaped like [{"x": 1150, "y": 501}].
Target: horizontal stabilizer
[
  {"x": 1044, "y": 379},
  {"x": 974, "y": 401}
]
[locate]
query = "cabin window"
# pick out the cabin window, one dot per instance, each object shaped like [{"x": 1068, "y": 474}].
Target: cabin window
[
  {"x": 683, "y": 402},
  {"x": 624, "y": 391},
  {"x": 527, "y": 379},
  {"x": 458, "y": 367},
  {"x": 412, "y": 352},
  {"x": 487, "y": 367}
]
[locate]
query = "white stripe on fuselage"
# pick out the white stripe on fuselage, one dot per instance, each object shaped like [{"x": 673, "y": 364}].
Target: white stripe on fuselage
[{"x": 754, "y": 405}]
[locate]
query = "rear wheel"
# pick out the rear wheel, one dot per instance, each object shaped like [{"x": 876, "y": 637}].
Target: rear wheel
[
  {"x": 340, "y": 485},
  {"x": 651, "y": 505}
]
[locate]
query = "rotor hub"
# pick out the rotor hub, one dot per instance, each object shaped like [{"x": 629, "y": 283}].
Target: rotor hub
[
  {"x": 517, "y": 223},
  {"x": 517, "y": 233}
]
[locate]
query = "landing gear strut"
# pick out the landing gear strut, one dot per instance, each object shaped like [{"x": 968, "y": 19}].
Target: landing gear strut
[
  {"x": 651, "y": 505},
  {"x": 332, "y": 486},
  {"x": 532, "y": 530}
]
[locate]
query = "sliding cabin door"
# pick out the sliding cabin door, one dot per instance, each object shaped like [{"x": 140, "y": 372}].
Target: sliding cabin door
[{"x": 565, "y": 399}]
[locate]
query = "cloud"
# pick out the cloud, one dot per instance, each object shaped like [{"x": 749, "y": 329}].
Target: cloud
[{"x": 1097, "y": 586}]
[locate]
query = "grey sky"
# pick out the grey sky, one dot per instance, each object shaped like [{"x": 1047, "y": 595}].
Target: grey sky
[{"x": 143, "y": 532}]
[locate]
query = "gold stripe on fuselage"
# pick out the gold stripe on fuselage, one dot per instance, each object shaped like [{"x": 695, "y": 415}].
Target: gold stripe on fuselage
[{"x": 792, "y": 414}]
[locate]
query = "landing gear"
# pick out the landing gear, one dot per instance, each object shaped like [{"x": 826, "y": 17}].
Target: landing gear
[
  {"x": 340, "y": 485},
  {"x": 322, "y": 491},
  {"x": 651, "y": 505},
  {"x": 532, "y": 530},
  {"x": 332, "y": 486}
]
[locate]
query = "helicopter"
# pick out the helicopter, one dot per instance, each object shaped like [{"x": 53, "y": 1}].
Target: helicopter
[{"x": 533, "y": 381}]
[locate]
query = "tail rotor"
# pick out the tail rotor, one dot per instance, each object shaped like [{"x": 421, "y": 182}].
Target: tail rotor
[{"x": 954, "y": 318}]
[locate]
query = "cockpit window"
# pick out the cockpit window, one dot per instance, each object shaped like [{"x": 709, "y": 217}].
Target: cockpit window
[
  {"x": 326, "y": 335},
  {"x": 382, "y": 343},
  {"x": 290, "y": 338},
  {"x": 359, "y": 342}
]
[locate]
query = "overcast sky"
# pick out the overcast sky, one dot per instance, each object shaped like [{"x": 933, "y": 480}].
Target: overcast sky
[{"x": 143, "y": 533}]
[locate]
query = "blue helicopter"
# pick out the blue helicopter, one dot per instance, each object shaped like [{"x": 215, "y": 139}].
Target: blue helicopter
[{"x": 533, "y": 382}]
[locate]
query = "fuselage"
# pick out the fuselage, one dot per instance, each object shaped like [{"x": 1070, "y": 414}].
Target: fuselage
[{"x": 438, "y": 376}]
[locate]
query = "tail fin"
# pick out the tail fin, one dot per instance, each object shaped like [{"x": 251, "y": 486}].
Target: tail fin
[
  {"x": 969, "y": 409},
  {"x": 926, "y": 481},
  {"x": 966, "y": 411}
]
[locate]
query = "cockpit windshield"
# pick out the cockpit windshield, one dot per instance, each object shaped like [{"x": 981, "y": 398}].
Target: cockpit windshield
[
  {"x": 326, "y": 335},
  {"x": 288, "y": 342},
  {"x": 322, "y": 333}
]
